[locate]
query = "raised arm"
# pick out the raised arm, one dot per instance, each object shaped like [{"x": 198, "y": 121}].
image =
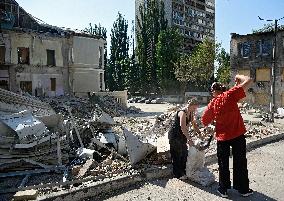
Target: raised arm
[{"x": 243, "y": 81}]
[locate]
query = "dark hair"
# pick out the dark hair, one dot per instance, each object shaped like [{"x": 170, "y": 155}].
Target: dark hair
[
  {"x": 193, "y": 101},
  {"x": 217, "y": 86}
]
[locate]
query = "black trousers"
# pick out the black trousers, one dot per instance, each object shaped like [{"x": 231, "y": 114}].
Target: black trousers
[
  {"x": 240, "y": 171},
  {"x": 178, "y": 150}
]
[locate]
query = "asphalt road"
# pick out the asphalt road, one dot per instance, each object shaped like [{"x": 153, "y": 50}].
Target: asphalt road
[{"x": 266, "y": 173}]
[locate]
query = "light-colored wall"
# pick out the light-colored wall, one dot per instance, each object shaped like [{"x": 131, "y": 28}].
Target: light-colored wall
[
  {"x": 43, "y": 81},
  {"x": 85, "y": 71},
  {"x": 37, "y": 44},
  {"x": 87, "y": 81},
  {"x": 86, "y": 52}
]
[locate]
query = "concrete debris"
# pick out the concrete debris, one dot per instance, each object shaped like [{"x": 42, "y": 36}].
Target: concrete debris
[
  {"x": 137, "y": 150},
  {"x": 112, "y": 107},
  {"x": 26, "y": 195},
  {"x": 98, "y": 137},
  {"x": 27, "y": 127}
]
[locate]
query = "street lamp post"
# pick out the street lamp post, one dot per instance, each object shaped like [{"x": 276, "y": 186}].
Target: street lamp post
[{"x": 273, "y": 70}]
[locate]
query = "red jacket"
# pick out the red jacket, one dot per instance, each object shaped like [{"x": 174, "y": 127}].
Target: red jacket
[{"x": 225, "y": 111}]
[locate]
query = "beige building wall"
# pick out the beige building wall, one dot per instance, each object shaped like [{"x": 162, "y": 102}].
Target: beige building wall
[
  {"x": 87, "y": 73},
  {"x": 37, "y": 72},
  {"x": 37, "y": 44}
]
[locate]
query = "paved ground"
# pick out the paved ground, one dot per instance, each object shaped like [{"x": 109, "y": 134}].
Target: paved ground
[{"x": 266, "y": 172}]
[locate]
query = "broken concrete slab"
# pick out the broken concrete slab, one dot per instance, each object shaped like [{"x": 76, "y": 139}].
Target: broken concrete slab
[
  {"x": 137, "y": 150},
  {"x": 26, "y": 195},
  {"x": 28, "y": 128}
]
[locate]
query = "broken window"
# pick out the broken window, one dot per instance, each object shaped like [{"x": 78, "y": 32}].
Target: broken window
[
  {"x": 245, "y": 49},
  {"x": 263, "y": 74},
  {"x": 52, "y": 84},
  {"x": 4, "y": 84},
  {"x": 23, "y": 55},
  {"x": 2, "y": 54},
  {"x": 263, "y": 47},
  {"x": 26, "y": 86},
  {"x": 50, "y": 61},
  {"x": 100, "y": 57}
]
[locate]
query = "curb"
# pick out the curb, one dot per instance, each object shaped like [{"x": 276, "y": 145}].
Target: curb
[{"x": 155, "y": 172}]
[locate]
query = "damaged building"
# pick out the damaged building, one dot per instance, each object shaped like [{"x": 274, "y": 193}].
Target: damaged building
[
  {"x": 45, "y": 60},
  {"x": 252, "y": 55}
]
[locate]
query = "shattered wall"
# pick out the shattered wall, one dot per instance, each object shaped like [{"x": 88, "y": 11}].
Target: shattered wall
[
  {"x": 36, "y": 70},
  {"x": 252, "y": 55},
  {"x": 87, "y": 73}
]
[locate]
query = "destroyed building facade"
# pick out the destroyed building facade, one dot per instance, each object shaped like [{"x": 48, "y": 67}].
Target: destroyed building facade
[
  {"x": 45, "y": 60},
  {"x": 252, "y": 55}
]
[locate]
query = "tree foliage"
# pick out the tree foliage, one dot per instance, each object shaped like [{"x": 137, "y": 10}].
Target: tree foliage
[
  {"x": 151, "y": 21},
  {"x": 168, "y": 47},
  {"x": 268, "y": 28},
  {"x": 198, "y": 67},
  {"x": 96, "y": 30},
  {"x": 224, "y": 69},
  {"x": 118, "y": 65}
]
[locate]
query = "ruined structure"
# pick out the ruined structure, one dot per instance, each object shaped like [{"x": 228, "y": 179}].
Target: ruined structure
[
  {"x": 252, "y": 55},
  {"x": 45, "y": 60},
  {"x": 194, "y": 18}
]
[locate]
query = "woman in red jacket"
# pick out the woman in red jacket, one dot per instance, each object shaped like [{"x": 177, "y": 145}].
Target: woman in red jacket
[{"x": 230, "y": 130}]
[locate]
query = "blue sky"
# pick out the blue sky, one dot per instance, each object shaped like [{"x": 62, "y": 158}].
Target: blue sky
[{"x": 232, "y": 16}]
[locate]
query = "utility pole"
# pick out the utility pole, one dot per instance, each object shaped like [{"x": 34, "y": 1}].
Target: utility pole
[{"x": 273, "y": 70}]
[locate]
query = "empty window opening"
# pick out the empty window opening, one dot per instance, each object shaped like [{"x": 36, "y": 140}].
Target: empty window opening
[
  {"x": 4, "y": 84},
  {"x": 52, "y": 84},
  {"x": 2, "y": 54},
  {"x": 23, "y": 55},
  {"x": 26, "y": 86},
  {"x": 50, "y": 58}
]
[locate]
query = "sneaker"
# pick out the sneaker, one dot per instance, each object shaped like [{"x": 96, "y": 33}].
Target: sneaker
[
  {"x": 248, "y": 193},
  {"x": 222, "y": 192},
  {"x": 184, "y": 177}
]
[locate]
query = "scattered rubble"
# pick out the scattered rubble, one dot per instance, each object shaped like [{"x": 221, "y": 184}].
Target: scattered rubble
[{"x": 69, "y": 140}]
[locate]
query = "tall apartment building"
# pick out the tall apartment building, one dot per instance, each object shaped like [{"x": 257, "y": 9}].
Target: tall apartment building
[{"x": 194, "y": 18}]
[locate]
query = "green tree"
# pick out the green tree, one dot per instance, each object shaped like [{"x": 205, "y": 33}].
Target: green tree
[
  {"x": 224, "y": 69},
  {"x": 151, "y": 21},
  {"x": 198, "y": 68},
  {"x": 96, "y": 30},
  {"x": 118, "y": 64},
  {"x": 168, "y": 47},
  {"x": 268, "y": 28}
]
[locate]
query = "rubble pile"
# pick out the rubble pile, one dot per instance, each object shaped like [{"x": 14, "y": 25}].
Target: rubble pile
[
  {"x": 112, "y": 107},
  {"x": 260, "y": 130},
  {"x": 26, "y": 142}
]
